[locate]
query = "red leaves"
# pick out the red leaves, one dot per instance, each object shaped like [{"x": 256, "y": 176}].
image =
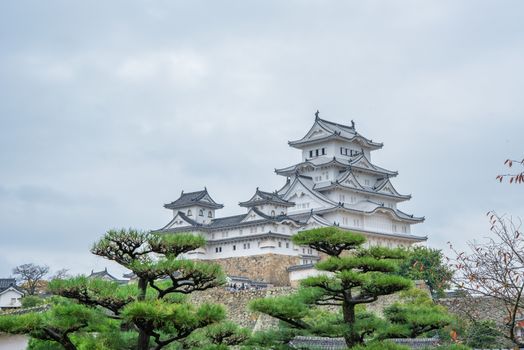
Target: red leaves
[{"x": 513, "y": 178}]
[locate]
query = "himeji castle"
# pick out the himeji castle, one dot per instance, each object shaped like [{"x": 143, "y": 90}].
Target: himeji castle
[{"x": 334, "y": 184}]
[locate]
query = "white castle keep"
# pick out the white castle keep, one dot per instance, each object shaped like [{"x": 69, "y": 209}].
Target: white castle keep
[{"x": 334, "y": 184}]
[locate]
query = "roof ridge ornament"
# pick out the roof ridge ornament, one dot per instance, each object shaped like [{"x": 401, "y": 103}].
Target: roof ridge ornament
[
  {"x": 352, "y": 124},
  {"x": 316, "y": 115}
]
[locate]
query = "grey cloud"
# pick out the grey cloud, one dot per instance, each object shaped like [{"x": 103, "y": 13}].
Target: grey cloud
[{"x": 109, "y": 110}]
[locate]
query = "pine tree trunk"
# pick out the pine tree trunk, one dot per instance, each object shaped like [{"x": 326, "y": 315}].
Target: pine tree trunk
[
  {"x": 67, "y": 343},
  {"x": 348, "y": 311},
  {"x": 143, "y": 337}
]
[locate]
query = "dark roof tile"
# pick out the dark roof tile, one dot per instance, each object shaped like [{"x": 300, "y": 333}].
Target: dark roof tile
[{"x": 189, "y": 199}]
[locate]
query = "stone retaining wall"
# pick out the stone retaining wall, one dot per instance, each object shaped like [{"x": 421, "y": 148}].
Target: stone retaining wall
[
  {"x": 236, "y": 303},
  {"x": 271, "y": 268}
]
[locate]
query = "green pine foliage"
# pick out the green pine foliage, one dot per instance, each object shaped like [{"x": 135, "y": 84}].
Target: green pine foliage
[
  {"x": 56, "y": 325},
  {"x": 416, "y": 314},
  {"x": 151, "y": 314},
  {"x": 352, "y": 277}
]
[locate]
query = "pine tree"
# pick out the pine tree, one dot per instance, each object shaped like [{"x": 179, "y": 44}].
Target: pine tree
[
  {"x": 155, "y": 307},
  {"x": 352, "y": 276}
]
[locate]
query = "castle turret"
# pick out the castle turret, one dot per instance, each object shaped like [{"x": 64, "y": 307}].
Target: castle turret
[{"x": 195, "y": 206}]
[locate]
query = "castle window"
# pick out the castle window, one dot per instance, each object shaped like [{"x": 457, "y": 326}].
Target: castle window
[
  {"x": 341, "y": 150},
  {"x": 247, "y": 245},
  {"x": 311, "y": 154},
  {"x": 287, "y": 245},
  {"x": 201, "y": 212},
  {"x": 366, "y": 182},
  {"x": 189, "y": 213},
  {"x": 210, "y": 214},
  {"x": 218, "y": 250},
  {"x": 279, "y": 244},
  {"x": 323, "y": 151},
  {"x": 272, "y": 213},
  {"x": 234, "y": 247},
  {"x": 316, "y": 152},
  {"x": 394, "y": 227}
]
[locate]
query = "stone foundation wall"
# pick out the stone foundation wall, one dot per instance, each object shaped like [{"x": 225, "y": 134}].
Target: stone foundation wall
[
  {"x": 236, "y": 304},
  {"x": 271, "y": 268}
]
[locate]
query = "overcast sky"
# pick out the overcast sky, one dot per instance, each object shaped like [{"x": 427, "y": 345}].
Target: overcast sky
[{"x": 108, "y": 109}]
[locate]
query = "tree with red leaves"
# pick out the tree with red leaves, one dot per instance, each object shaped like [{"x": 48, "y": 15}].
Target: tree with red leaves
[{"x": 514, "y": 177}]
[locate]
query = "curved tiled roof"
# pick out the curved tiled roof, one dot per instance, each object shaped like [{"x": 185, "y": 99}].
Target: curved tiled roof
[
  {"x": 201, "y": 198},
  {"x": 343, "y": 163},
  {"x": 6, "y": 283},
  {"x": 262, "y": 197},
  {"x": 335, "y": 131}
]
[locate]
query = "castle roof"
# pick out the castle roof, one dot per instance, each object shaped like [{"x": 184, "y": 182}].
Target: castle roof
[
  {"x": 230, "y": 222},
  {"x": 347, "y": 180},
  {"x": 199, "y": 198},
  {"x": 262, "y": 197},
  {"x": 324, "y": 130},
  {"x": 104, "y": 274},
  {"x": 359, "y": 162},
  {"x": 371, "y": 207},
  {"x": 9, "y": 283}
]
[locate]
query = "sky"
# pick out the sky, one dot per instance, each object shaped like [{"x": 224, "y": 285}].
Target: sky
[{"x": 109, "y": 109}]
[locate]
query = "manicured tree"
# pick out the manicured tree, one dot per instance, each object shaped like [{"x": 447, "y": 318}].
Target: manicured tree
[
  {"x": 427, "y": 264},
  {"x": 57, "y": 324},
  {"x": 155, "y": 308},
  {"x": 353, "y": 275},
  {"x": 415, "y": 314},
  {"x": 151, "y": 307}
]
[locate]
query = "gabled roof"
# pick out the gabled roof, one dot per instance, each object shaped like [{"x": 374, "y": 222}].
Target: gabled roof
[
  {"x": 9, "y": 283},
  {"x": 200, "y": 198},
  {"x": 324, "y": 130},
  {"x": 102, "y": 274},
  {"x": 262, "y": 197},
  {"x": 385, "y": 187},
  {"x": 308, "y": 185},
  {"x": 184, "y": 217},
  {"x": 347, "y": 180},
  {"x": 364, "y": 164},
  {"x": 105, "y": 275}
]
